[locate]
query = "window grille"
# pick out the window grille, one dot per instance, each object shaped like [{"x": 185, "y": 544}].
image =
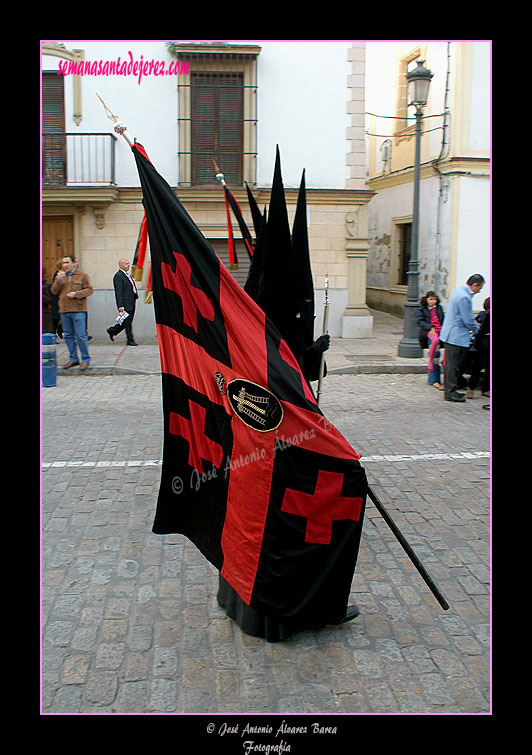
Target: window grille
[
  {"x": 405, "y": 248},
  {"x": 216, "y": 126},
  {"x": 217, "y": 115}
]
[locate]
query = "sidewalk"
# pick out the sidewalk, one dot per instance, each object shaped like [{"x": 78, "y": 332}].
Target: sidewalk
[{"x": 346, "y": 355}]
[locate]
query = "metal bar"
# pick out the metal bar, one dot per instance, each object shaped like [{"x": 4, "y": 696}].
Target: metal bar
[
  {"x": 87, "y": 156},
  {"x": 408, "y": 550},
  {"x": 324, "y": 331},
  {"x": 113, "y": 158}
]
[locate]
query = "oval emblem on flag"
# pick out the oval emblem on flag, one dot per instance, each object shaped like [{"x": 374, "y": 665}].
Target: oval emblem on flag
[{"x": 256, "y": 406}]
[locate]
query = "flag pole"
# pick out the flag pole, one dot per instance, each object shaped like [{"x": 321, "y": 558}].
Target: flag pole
[
  {"x": 324, "y": 331},
  {"x": 408, "y": 550},
  {"x": 233, "y": 259},
  {"x": 371, "y": 493},
  {"x": 120, "y": 126},
  {"x": 230, "y": 201}
]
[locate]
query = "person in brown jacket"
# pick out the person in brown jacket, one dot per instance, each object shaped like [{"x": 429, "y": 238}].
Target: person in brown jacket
[{"x": 73, "y": 286}]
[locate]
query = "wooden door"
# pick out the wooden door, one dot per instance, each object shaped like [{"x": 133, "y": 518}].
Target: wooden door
[{"x": 57, "y": 240}]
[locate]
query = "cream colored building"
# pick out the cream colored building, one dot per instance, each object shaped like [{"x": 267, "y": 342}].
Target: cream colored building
[
  {"x": 455, "y": 187},
  {"x": 307, "y": 97}
]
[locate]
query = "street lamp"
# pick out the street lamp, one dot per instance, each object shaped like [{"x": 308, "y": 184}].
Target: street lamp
[{"x": 418, "y": 90}]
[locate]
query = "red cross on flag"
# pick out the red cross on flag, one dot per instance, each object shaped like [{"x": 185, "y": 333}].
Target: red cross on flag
[
  {"x": 268, "y": 490},
  {"x": 322, "y": 507}
]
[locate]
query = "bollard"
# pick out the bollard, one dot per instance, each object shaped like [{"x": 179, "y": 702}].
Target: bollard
[{"x": 49, "y": 362}]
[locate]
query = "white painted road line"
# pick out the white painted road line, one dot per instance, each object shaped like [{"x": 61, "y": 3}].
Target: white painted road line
[
  {"x": 158, "y": 462},
  {"x": 428, "y": 457}
]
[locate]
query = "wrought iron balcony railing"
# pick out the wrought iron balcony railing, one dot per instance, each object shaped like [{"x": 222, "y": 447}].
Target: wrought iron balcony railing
[{"x": 78, "y": 159}]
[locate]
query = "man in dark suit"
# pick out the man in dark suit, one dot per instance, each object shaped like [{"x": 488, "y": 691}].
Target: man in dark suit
[{"x": 126, "y": 296}]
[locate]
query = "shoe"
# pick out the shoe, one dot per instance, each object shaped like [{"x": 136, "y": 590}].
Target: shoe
[
  {"x": 351, "y": 613},
  {"x": 437, "y": 385},
  {"x": 111, "y": 336},
  {"x": 83, "y": 365},
  {"x": 132, "y": 343},
  {"x": 70, "y": 364},
  {"x": 486, "y": 393},
  {"x": 458, "y": 398},
  {"x": 470, "y": 393},
  {"x": 485, "y": 406}
]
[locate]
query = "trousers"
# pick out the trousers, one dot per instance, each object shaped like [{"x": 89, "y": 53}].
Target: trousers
[
  {"x": 75, "y": 335},
  {"x": 454, "y": 358},
  {"x": 126, "y": 325}
]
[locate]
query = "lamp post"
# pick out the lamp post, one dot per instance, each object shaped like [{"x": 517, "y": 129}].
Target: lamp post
[{"x": 418, "y": 90}]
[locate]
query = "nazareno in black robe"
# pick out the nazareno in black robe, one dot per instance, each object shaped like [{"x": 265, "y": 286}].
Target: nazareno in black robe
[{"x": 250, "y": 620}]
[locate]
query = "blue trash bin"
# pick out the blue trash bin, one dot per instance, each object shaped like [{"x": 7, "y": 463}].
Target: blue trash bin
[{"x": 49, "y": 361}]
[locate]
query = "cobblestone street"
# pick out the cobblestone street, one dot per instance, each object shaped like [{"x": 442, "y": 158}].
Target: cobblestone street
[{"x": 130, "y": 619}]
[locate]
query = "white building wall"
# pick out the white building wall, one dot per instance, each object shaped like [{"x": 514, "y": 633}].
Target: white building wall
[
  {"x": 454, "y": 233},
  {"x": 395, "y": 203},
  {"x": 454, "y": 239},
  {"x": 302, "y": 107},
  {"x": 305, "y": 92},
  {"x": 480, "y": 127},
  {"x": 473, "y": 234},
  {"x": 302, "y": 97},
  {"x": 149, "y": 108}
]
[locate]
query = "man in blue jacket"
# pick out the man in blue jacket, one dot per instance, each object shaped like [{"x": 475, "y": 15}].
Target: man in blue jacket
[{"x": 456, "y": 332}]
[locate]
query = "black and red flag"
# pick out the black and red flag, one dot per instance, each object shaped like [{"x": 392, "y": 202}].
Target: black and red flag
[
  {"x": 256, "y": 214},
  {"x": 253, "y": 474},
  {"x": 280, "y": 275},
  {"x": 140, "y": 251},
  {"x": 230, "y": 202},
  {"x": 274, "y": 268},
  {"x": 301, "y": 251}
]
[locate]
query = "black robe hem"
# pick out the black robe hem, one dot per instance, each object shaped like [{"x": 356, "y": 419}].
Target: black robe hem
[{"x": 251, "y": 621}]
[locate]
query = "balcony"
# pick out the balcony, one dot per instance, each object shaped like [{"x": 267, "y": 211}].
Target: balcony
[{"x": 78, "y": 160}]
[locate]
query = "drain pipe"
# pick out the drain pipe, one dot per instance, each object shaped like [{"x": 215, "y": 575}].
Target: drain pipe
[{"x": 444, "y": 180}]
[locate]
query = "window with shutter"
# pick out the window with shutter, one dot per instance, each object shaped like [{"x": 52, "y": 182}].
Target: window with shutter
[
  {"x": 217, "y": 113},
  {"x": 405, "y": 247},
  {"x": 404, "y": 126},
  {"x": 53, "y": 130},
  {"x": 216, "y": 126}
]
